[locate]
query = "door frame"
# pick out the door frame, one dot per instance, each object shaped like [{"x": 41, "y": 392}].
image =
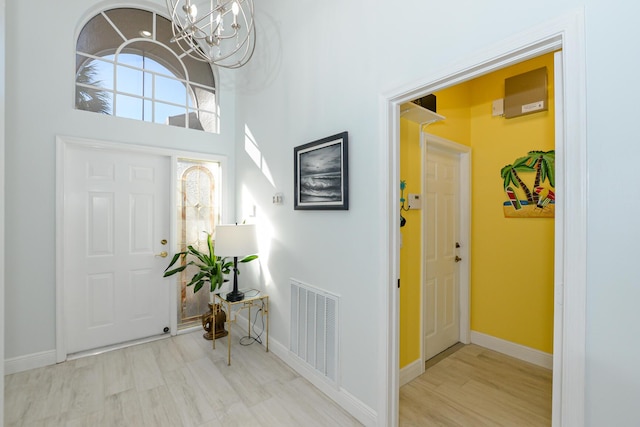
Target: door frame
[
  {"x": 463, "y": 153},
  {"x": 65, "y": 142},
  {"x": 566, "y": 33}
]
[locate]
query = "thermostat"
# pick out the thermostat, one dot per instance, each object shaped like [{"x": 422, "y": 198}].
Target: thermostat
[{"x": 415, "y": 201}]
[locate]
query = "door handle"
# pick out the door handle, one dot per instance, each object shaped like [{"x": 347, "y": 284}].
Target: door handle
[
  {"x": 457, "y": 259},
  {"x": 162, "y": 254}
]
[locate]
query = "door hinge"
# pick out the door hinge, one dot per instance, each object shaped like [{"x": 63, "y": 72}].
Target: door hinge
[{"x": 398, "y": 283}]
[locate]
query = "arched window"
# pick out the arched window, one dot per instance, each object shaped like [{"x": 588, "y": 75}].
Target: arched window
[{"x": 126, "y": 66}]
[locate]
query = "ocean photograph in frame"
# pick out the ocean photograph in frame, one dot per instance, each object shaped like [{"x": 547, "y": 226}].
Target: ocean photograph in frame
[{"x": 321, "y": 174}]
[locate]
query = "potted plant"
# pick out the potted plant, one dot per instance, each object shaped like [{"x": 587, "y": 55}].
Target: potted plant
[{"x": 212, "y": 269}]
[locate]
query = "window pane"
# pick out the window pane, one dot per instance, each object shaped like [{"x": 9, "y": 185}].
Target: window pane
[
  {"x": 131, "y": 21},
  {"x": 194, "y": 120},
  {"x": 133, "y": 59},
  {"x": 207, "y": 121},
  {"x": 148, "y": 110},
  {"x": 147, "y": 80},
  {"x": 98, "y": 37},
  {"x": 95, "y": 72},
  {"x": 204, "y": 98},
  {"x": 148, "y": 85},
  {"x": 130, "y": 107},
  {"x": 96, "y": 100},
  {"x": 130, "y": 81},
  {"x": 199, "y": 72},
  {"x": 170, "y": 114},
  {"x": 170, "y": 90},
  {"x": 157, "y": 58}
]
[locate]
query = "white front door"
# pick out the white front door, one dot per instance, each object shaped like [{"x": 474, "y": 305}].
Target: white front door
[
  {"x": 116, "y": 220},
  {"x": 441, "y": 219}
]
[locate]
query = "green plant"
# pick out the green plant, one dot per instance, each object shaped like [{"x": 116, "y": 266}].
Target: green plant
[{"x": 212, "y": 268}]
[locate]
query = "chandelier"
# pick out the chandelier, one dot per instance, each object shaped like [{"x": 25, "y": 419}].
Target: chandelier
[{"x": 221, "y": 32}]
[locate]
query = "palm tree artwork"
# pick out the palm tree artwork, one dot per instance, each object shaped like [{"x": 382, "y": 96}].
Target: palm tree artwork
[{"x": 529, "y": 183}]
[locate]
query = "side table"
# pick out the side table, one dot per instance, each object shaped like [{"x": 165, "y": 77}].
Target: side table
[{"x": 260, "y": 301}]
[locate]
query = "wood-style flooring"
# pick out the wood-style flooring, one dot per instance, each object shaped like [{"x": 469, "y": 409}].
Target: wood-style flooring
[
  {"x": 478, "y": 387},
  {"x": 179, "y": 381}
]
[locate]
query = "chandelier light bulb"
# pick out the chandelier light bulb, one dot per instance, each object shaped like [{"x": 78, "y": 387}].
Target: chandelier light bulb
[{"x": 191, "y": 10}]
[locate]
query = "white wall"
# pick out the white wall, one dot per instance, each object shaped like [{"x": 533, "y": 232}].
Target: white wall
[
  {"x": 320, "y": 69},
  {"x": 613, "y": 283},
  {"x": 312, "y": 77},
  {"x": 40, "y": 93}
]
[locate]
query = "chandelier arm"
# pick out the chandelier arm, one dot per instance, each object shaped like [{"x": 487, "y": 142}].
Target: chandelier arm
[
  {"x": 205, "y": 41},
  {"x": 250, "y": 49}
]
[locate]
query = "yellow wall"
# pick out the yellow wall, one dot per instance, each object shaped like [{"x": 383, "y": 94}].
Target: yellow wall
[
  {"x": 511, "y": 259},
  {"x": 410, "y": 289}
]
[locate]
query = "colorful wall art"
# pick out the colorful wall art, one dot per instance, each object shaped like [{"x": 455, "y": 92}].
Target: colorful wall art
[{"x": 529, "y": 184}]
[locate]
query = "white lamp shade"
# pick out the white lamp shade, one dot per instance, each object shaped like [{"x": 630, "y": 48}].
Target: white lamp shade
[{"x": 236, "y": 240}]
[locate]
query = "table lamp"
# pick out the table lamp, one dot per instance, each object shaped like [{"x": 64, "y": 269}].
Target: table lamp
[{"x": 235, "y": 241}]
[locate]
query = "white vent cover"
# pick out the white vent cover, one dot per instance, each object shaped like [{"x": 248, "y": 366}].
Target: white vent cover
[{"x": 314, "y": 329}]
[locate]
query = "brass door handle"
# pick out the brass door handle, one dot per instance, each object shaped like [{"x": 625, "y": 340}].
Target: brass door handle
[
  {"x": 162, "y": 254},
  {"x": 457, "y": 259}
]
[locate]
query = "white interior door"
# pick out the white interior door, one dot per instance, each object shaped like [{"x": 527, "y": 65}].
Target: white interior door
[
  {"x": 116, "y": 220},
  {"x": 441, "y": 218}
]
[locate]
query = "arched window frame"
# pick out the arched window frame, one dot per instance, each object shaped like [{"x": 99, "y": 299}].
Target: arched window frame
[{"x": 194, "y": 106}]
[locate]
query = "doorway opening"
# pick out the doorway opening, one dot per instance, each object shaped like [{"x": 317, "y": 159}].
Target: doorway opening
[
  {"x": 512, "y": 257},
  {"x": 570, "y": 224}
]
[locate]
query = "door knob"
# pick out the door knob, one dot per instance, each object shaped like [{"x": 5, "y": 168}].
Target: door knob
[
  {"x": 162, "y": 254},
  {"x": 457, "y": 259}
]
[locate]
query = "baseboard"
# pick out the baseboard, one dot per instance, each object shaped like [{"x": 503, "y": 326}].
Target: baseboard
[
  {"x": 363, "y": 413},
  {"x": 30, "y": 361},
  {"x": 518, "y": 351},
  {"x": 412, "y": 371}
]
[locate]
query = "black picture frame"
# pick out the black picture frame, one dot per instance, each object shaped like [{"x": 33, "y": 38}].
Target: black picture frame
[{"x": 321, "y": 174}]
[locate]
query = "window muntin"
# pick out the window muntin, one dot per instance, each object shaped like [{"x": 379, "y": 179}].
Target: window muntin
[{"x": 121, "y": 73}]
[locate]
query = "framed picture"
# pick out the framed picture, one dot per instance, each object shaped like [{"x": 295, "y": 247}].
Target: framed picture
[{"x": 321, "y": 171}]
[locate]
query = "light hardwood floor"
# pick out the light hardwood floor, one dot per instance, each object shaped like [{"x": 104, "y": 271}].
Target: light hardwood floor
[
  {"x": 179, "y": 381},
  {"x": 478, "y": 387}
]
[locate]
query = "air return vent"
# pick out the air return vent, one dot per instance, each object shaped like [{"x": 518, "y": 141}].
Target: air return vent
[{"x": 314, "y": 329}]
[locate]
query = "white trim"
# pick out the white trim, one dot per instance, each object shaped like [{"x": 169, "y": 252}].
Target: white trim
[
  {"x": 389, "y": 261},
  {"x": 3, "y": 50},
  {"x": 358, "y": 409},
  {"x": 566, "y": 33},
  {"x": 30, "y": 361},
  {"x": 558, "y": 322},
  {"x": 62, "y": 142},
  {"x": 411, "y": 371},
  {"x": 521, "y": 352}
]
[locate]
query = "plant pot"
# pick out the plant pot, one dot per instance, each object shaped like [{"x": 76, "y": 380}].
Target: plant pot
[{"x": 220, "y": 319}]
